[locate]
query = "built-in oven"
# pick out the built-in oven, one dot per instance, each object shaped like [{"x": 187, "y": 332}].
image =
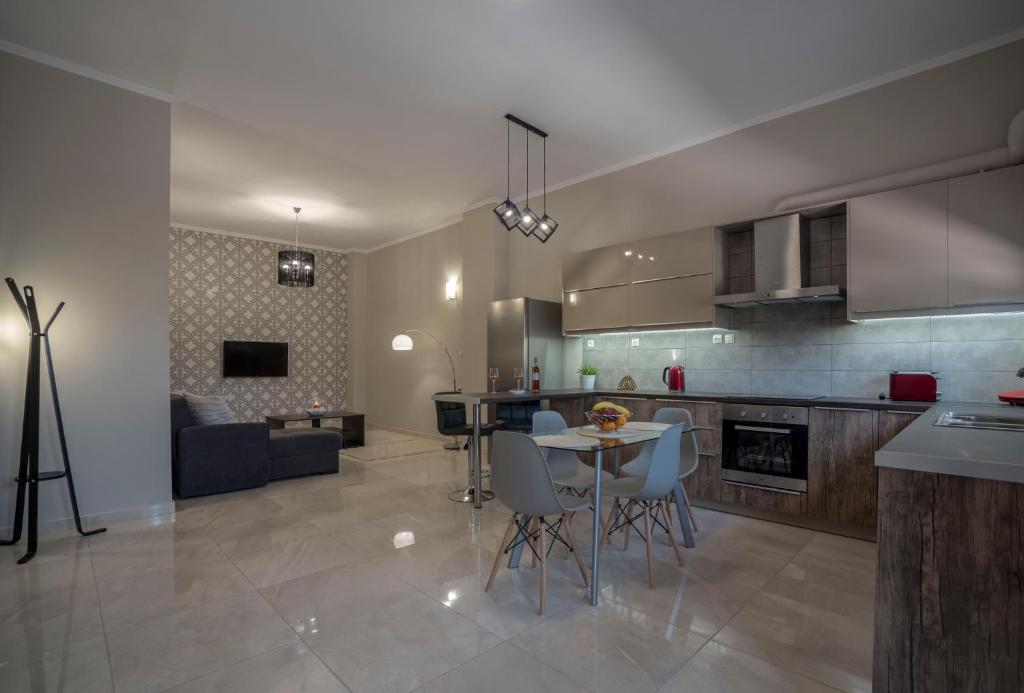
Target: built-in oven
[{"x": 765, "y": 446}]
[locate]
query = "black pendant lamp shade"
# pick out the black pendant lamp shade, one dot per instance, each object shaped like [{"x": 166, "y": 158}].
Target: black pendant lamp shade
[
  {"x": 546, "y": 226},
  {"x": 528, "y": 218},
  {"x": 507, "y": 212},
  {"x": 296, "y": 267}
]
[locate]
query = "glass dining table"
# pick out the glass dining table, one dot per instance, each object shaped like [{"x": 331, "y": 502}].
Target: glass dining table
[{"x": 589, "y": 439}]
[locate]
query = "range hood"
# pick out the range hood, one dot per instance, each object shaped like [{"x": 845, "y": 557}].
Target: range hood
[{"x": 782, "y": 267}]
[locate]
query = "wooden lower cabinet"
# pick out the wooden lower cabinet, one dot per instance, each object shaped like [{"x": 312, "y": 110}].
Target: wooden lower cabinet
[
  {"x": 706, "y": 481},
  {"x": 572, "y": 409},
  {"x": 890, "y": 423},
  {"x": 842, "y": 482}
]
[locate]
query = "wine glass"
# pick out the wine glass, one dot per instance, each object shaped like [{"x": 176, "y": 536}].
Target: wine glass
[
  {"x": 492, "y": 373},
  {"x": 518, "y": 375}
]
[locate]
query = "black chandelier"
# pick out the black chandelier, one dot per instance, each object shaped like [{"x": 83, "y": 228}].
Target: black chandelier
[
  {"x": 295, "y": 267},
  {"x": 526, "y": 220}
]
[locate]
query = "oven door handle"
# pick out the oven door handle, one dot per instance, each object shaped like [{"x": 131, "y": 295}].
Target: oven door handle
[{"x": 761, "y": 429}]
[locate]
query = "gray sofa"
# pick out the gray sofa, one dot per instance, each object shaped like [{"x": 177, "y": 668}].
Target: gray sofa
[{"x": 231, "y": 457}]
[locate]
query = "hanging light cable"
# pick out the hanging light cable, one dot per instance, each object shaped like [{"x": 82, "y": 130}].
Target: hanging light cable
[
  {"x": 547, "y": 225},
  {"x": 295, "y": 267},
  {"x": 507, "y": 212},
  {"x": 528, "y": 222}
]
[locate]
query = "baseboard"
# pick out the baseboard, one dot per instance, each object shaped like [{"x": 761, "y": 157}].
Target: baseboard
[
  {"x": 94, "y": 520},
  {"x": 395, "y": 429}
]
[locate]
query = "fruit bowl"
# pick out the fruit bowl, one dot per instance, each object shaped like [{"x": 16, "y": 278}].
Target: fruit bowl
[{"x": 606, "y": 416}]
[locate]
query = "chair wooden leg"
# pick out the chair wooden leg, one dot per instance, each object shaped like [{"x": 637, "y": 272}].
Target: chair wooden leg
[
  {"x": 543, "y": 566},
  {"x": 500, "y": 552},
  {"x": 647, "y": 539},
  {"x": 571, "y": 536},
  {"x": 608, "y": 522},
  {"x": 671, "y": 533},
  {"x": 689, "y": 511},
  {"x": 533, "y": 542}
]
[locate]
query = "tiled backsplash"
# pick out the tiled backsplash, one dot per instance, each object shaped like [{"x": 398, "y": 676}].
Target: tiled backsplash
[{"x": 811, "y": 350}]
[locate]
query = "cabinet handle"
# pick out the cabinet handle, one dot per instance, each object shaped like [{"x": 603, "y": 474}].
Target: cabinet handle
[
  {"x": 894, "y": 411},
  {"x": 841, "y": 409},
  {"x": 762, "y": 488}
]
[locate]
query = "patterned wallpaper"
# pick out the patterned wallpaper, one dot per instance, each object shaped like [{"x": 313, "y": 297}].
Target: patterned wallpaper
[{"x": 225, "y": 288}]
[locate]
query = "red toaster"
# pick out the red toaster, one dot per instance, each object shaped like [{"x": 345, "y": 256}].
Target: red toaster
[{"x": 921, "y": 386}]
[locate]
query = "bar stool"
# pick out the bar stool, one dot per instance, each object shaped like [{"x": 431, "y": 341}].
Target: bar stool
[
  {"x": 521, "y": 480},
  {"x": 452, "y": 421},
  {"x": 648, "y": 494}
]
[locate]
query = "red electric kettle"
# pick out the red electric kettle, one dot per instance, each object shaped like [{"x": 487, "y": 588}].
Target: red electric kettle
[{"x": 673, "y": 377}]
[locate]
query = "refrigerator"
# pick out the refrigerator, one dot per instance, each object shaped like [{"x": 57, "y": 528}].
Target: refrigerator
[{"x": 519, "y": 329}]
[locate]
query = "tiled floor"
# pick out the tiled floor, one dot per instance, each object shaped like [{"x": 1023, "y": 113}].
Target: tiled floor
[{"x": 372, "y": 580}]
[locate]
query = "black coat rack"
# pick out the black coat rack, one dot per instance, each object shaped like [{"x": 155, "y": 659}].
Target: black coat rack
[{"x": 29, "y": 475}]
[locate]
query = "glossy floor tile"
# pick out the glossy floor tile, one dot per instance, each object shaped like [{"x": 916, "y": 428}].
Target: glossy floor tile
[{"x": 372, "y": 580}]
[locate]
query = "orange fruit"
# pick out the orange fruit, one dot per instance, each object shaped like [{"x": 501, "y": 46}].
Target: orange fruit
[
  {"x": 621, "y": 421},
  {"x": 608, "y": 425}
]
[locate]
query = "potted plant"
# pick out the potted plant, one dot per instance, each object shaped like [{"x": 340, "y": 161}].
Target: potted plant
[{"x": 588, "y": 375}]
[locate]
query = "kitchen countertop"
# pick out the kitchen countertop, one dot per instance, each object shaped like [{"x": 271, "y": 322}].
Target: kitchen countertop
[
  {"x": 971, "y": 452},
  {"x": 838, "y": 402}
]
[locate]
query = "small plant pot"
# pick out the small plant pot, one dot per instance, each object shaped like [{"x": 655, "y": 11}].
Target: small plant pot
[{"x": 587, "y": 381}]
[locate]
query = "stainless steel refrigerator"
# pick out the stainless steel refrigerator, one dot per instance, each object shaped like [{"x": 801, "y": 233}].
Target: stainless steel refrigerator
[{"x": 519, "y": 329}]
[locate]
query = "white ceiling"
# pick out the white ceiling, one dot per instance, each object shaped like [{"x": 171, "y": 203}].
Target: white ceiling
[{"x": 383, "y": 118}]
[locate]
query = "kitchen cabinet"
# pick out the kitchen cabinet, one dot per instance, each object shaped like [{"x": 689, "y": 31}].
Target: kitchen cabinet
[
  {"x": 986, "y": 238},
  {"x": 842, "y": 479},
  {"x": 675, "y": 255},
  {"x": 596, "y": 309},
  {"x": 593, "y": 269},
  {"x": 573, "y": 409},
  {"x": 677, "y": 301},
  {"x": 898, "y": 250},
  {"x": 890, "y": 423},
  {"x": 706, "y": 481}
]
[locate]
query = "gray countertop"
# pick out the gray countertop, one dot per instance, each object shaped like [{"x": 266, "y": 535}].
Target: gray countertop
[
  {"x": 971, "y": 452},
  {"x": 792, "y": 401}
]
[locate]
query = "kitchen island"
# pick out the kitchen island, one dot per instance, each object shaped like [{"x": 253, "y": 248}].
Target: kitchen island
[{"x": 949, "y": 599}]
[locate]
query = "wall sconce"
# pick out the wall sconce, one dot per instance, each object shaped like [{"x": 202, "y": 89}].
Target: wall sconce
[{"x": 451, "y": 289}]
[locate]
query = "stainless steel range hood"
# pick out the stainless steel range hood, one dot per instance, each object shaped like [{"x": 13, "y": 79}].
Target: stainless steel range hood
[{"x": 782, "y": 267}]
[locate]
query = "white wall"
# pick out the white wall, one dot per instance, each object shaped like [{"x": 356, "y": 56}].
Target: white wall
[{"x": 84, "y": 212}]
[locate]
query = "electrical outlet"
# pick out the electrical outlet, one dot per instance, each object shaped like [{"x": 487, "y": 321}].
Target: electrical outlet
[
  {"x": 730, "y": 339},
  {"x": 635, "y": 341},
  {"x": 716, "y": 339},
  {"x": 590, "y": 343}
]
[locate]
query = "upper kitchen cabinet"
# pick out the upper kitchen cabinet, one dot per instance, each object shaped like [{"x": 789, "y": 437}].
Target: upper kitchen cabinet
[
  {"x": 986, "y": 238},
  {"x": 898, "y": 249},
  {"x": 679, "y": 301},
  {"x": 595, "y": 309},
  {"x": 593, "y": 269},
  {"x": 676, "y": 255}
]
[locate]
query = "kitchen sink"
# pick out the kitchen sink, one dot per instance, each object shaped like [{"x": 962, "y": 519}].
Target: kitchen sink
[{"x": 995, "y": 422}]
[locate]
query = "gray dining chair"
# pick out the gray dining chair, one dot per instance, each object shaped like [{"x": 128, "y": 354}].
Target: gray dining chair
[
  {"x": 521, "y": 480},
  {"x": 566, "y": 469},
  {"x": 689, "y": 454},
  {"x": 647, "y": 495}
]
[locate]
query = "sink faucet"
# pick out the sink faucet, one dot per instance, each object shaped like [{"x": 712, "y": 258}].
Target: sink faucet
[{"x": 1020, "y": 372}]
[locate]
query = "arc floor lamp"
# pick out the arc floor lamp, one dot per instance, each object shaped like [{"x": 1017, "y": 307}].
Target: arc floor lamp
[{"x": 403, "y": 342}]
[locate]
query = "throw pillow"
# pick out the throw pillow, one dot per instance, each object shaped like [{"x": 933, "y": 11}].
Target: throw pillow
[{"x": 209, "y": 410}]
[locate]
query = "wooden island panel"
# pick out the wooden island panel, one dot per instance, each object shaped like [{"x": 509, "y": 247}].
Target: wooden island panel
[{"x": 949, "y": 599}]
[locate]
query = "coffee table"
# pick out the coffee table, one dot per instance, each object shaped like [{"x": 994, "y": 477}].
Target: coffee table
[{"x": 353, "y": 428}]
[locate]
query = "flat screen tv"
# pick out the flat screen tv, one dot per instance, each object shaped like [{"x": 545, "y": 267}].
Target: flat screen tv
[{"x": 255, "y": 359}]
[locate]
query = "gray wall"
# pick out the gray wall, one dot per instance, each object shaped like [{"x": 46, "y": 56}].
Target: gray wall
[
  {"x": 225, "y": 288},
  {"x": 804, "y": 350},
  {"x": 84, "y": 213},
  {"x": 957, "y": 109}
]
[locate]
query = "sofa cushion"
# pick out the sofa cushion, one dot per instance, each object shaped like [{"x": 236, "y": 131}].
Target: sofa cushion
[
  {"x": 210, "y": 411},
  {"x": 181, "y": 415},
  {"x": 287, "y": 442}
]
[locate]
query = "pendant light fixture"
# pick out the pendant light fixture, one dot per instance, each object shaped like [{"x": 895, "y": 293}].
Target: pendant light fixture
[
  {"x": 526, "y": 220},
  {"x": 507, "y": 212},
  {"x": 295, "y": 267},
  {"x": 547, "y": 225}
]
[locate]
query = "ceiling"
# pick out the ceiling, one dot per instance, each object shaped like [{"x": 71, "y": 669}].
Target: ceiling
[{"x": 383, "y": 118}]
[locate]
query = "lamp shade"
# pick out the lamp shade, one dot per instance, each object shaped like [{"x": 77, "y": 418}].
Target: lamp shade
[{"x": 401, "y": 342}]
